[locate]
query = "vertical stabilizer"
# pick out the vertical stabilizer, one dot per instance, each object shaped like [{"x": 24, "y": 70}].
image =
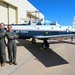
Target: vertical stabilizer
[{"x": 74, "y": 22}]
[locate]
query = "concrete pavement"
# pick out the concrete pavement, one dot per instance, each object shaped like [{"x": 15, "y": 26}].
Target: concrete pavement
[{"x": 59, "y": 59}]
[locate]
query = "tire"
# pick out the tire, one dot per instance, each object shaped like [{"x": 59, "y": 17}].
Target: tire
[{"x": 44, "y": 46}]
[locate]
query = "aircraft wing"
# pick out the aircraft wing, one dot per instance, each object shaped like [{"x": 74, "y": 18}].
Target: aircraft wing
[{"x": 53, "y": 36}]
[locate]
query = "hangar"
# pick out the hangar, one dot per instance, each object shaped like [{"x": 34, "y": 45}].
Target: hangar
[{"x": 17, "y": 11}]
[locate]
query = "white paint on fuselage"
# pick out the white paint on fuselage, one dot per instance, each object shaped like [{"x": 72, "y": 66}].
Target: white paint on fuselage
[{"x": 43, "y": 27}]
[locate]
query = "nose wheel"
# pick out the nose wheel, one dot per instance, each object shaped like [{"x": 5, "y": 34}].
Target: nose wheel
[{"x": 33, "y": 41}]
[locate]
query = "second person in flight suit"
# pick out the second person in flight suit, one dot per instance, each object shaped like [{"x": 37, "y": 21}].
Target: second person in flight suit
[{"x": 11, "y": 45}]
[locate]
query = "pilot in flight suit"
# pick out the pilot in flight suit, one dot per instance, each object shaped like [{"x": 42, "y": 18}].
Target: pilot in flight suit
[
  {"x": 11, "y": 45},
  {"x": 2, "y": 45}
]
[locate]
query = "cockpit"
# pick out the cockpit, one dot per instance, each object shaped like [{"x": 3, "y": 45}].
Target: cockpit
[
  {"x": 53, "y": 23},
  {"x": 50, "y": 23}
]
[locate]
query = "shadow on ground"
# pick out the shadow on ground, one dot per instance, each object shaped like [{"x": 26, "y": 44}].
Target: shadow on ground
[
  {"x": 69, "y": 42},
  {"x": 47, "y": 57}
]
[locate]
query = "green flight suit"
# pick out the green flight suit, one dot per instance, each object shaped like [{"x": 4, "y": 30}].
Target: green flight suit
[
  {"x": 2, "y": 46},
  {"x": 11, "y": 45}
]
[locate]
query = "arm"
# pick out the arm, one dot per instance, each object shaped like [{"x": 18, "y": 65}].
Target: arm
[
  {"x": 9, "y": 36},
  {"x": 15, "y": 36},
  {"x": 2, "y": 35}
]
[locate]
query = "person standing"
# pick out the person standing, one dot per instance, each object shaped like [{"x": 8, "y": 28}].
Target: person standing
[
  {"x": 11, "y": 45},
  {"x": 71, "y": 39},
  {"x": 2, "y": 45}
]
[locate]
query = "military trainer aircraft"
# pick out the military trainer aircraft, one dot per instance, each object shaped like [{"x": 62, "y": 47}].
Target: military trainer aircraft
[{"x": 43, "y": 32}]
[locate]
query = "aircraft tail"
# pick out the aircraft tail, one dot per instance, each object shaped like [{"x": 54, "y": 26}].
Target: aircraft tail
[{"x": 73, "y": 22}]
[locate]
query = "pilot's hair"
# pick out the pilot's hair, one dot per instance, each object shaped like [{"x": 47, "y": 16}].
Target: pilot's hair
[
  {"x": 9, "y": 25},
  {"x": 2, "y": 23}
]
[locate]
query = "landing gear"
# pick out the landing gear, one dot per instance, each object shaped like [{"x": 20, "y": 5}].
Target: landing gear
[
  {"x": 45, "y": 45},
  {"x": 33, "y": 41}
]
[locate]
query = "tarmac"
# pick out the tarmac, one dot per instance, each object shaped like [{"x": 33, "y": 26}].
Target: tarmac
[{"x": 59, "y": 59}]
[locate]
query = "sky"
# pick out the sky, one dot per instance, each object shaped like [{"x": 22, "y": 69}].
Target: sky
[{"x": 62, "y": 11}]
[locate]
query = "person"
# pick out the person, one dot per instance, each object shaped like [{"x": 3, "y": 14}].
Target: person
[
  {"x": 11, "y": 45},
  {"x": 2, "y": 45},
  {"x": 71, "y": 39}
]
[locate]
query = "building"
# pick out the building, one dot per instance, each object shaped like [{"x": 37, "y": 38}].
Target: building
[{"x": 18, "y": 11}]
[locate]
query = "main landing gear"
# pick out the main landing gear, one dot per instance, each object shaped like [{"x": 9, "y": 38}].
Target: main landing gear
[{"x": 45, "y": 45}]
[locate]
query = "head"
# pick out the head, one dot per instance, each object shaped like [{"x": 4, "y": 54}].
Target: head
[
  {"x": 10, "y": 28},
  {"x": 2, "y": 25}
]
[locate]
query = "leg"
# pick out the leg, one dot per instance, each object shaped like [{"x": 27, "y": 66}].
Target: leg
[
  {"x": 14, "y": 53},
  {"x": 3, "y": 54},
  {"x": 10, "y": 52},
  {"x": 0, "y": 57}
]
